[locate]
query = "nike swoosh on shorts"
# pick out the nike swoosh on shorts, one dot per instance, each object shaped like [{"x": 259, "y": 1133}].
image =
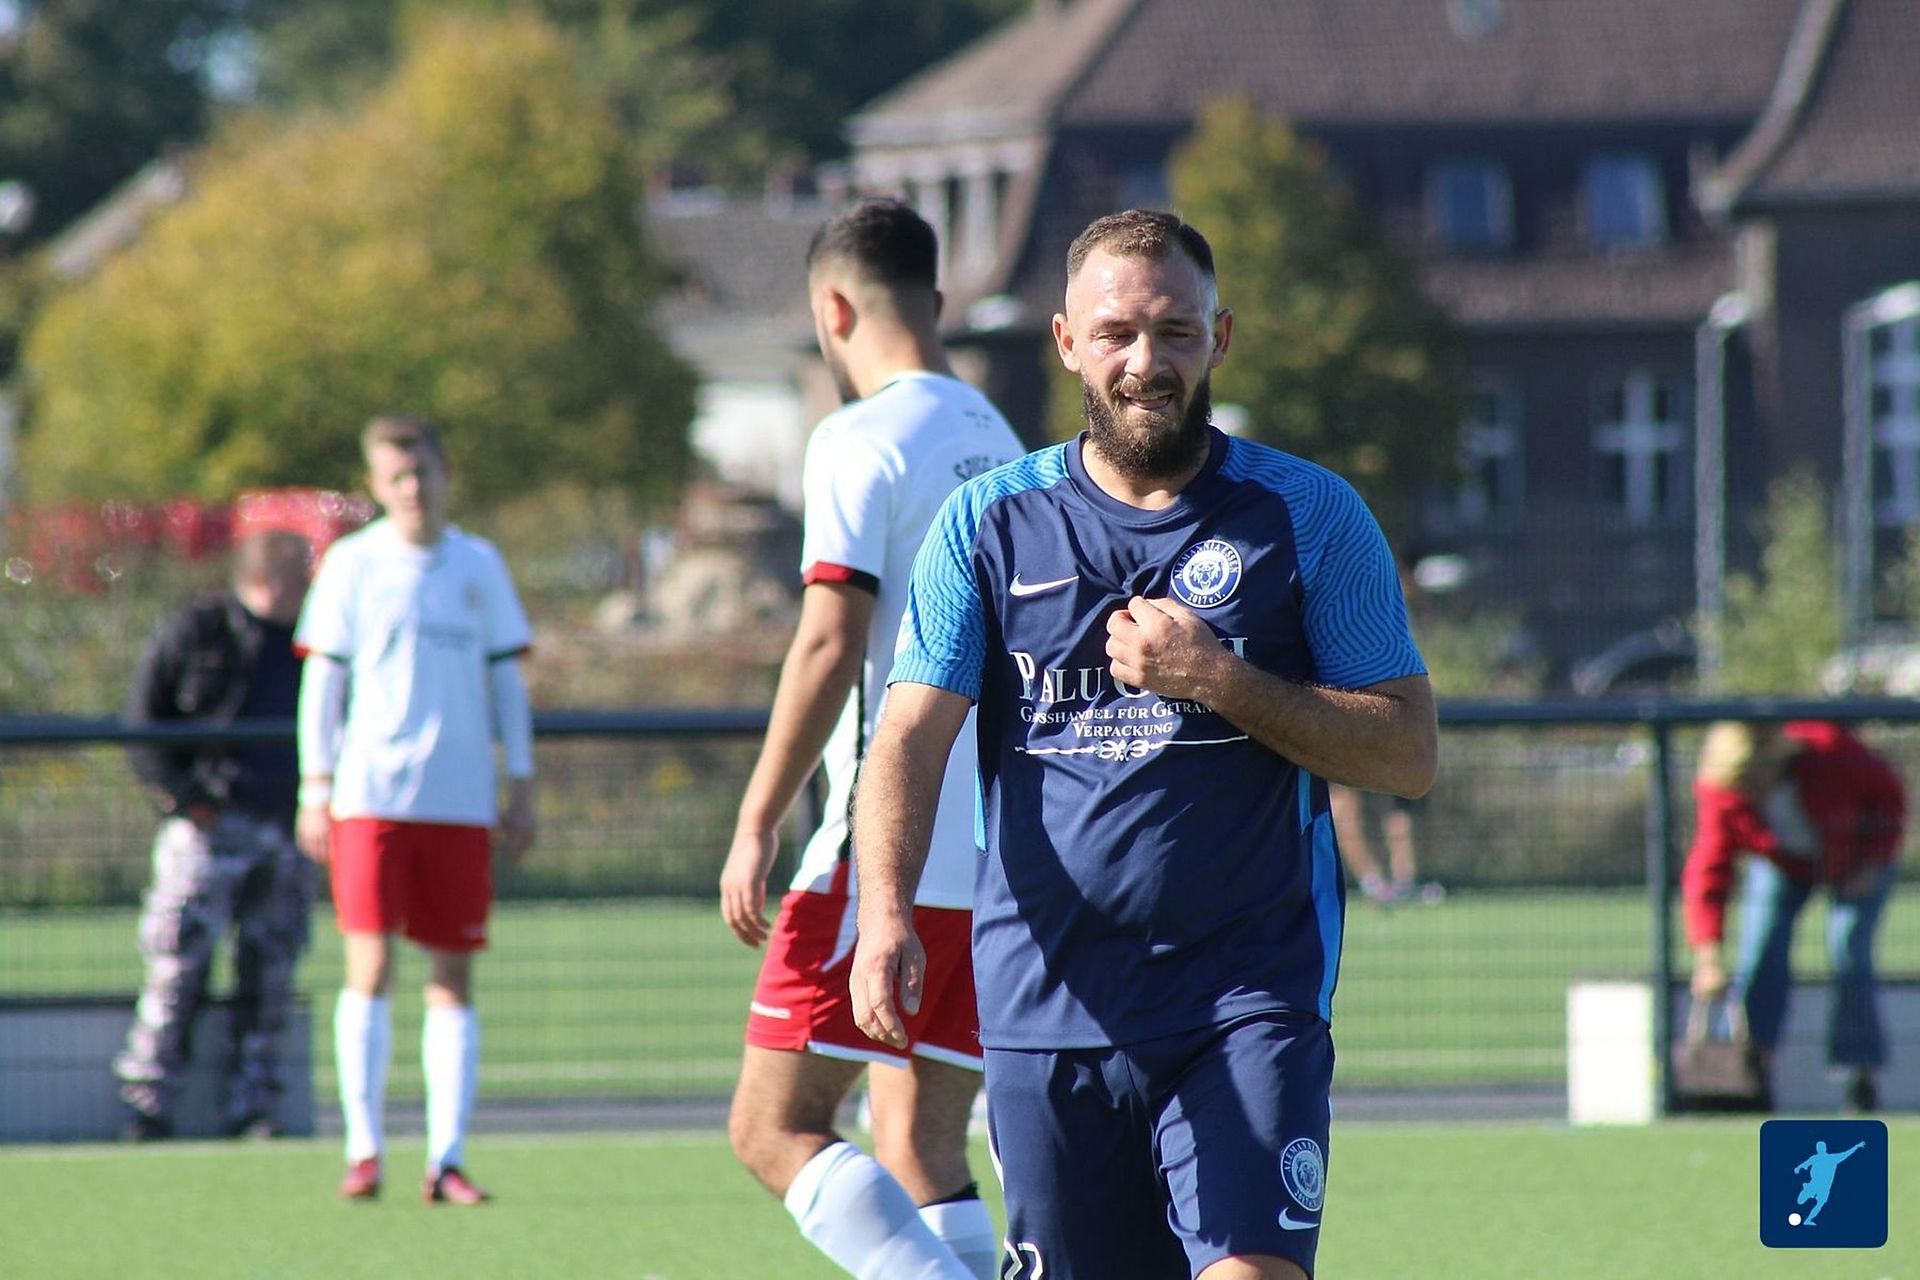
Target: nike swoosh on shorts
[{"x": 1290, "y": 1223}]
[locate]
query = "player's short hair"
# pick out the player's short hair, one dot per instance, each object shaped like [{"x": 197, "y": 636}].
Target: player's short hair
[
  {"x": 881, "y": 239},
  {"x": 402, "y": 431},
  {"x": 271, "y": 553},
  {"x": 1141, "y": 233}
]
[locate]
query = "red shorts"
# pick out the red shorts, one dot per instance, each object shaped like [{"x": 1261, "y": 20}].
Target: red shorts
[
  {"x": 432, "y": 881},
  {"x": 801, "y": 1001}
]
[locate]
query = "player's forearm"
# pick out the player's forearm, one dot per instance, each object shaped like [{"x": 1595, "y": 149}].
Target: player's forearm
[
  {"x": 893, "y": 812},
  {"x": 512, "y": 717},
  {"x": 1383, "y": 738},
  {"x": 322, "y": 715},
  {"x": 815, "y": 679}
]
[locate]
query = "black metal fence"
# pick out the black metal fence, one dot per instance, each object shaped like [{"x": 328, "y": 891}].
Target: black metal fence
[{"x": 1555, "y": 832}]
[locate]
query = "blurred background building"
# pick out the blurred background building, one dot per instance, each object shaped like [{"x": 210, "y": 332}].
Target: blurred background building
[{"x": 1580, "y": 184}]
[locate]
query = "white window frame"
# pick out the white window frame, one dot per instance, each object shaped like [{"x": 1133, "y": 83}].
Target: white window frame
[
  {"x": 1895, "y": 373},
  {"x": 1645, "y": 443},
  {"x": 1492, "y": 441}
]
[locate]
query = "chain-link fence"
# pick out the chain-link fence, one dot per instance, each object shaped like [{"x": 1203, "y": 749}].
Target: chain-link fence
[{"x": 611, "y": 976}]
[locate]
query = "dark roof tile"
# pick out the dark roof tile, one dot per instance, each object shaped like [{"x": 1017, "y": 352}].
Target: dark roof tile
[
  {"x": 1854, "y": 134},
  {"x": 1325, "y": 61},
  {"x": 1008, "y": 81},
  {"x": 1407, "y": 60}
]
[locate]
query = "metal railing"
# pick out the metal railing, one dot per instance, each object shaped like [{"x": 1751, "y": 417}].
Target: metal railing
[{"x": 1555, "y": 830}]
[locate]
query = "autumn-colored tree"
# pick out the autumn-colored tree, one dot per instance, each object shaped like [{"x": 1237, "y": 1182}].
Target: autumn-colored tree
[
  {"x": 462, "y": 244},
  {"x": 1337, "y": 354}
]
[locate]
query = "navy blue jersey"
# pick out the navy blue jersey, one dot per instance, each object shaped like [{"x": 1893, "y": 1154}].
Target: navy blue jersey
[{"x": 1148, "y": 867}]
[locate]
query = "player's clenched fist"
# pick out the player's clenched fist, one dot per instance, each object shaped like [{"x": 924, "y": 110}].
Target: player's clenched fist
[
  {"x": 1164, "y": 646},
  {"x": 889, "y": 974}
]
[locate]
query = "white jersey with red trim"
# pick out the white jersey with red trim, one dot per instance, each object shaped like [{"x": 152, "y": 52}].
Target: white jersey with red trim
[
  {"x": 876, "y": 473},
  {"x": 418, "y": 629}
]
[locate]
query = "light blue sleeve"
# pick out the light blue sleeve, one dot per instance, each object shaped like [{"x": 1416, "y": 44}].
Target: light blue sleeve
[
  {"x": 943, "y": 632},
  {"x": 1356, "y": 617}
]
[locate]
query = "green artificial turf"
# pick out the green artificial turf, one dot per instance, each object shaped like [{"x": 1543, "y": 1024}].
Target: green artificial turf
[
  {"x": 647, "y": 998},
  {"x": 1673, "y": 1202}
]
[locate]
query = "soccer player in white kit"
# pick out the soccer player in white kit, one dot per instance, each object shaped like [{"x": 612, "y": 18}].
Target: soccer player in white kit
[
  {"x": 412, "y": 634},
  {"x": 876, "y": 472}
]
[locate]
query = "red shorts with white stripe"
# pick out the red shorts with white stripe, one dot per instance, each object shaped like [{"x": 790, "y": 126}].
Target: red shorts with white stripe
[
  {"x": 801, "y": 1001},
  {"x": 431, "y": 880}
]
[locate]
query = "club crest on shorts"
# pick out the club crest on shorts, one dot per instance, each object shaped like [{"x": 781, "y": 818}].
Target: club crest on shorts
[
  {"x": 1206, "y": 574},
  {"x": 1304, "y": 1170}
]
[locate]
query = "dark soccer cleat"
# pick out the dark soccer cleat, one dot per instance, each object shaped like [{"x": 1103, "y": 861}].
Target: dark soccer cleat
[
  {"x": 256, "y": 1125},
  {"x": 141, "y": 1127},
  {"x": 362, "y": 1181},
  {"x": 450, "y": 1186}
]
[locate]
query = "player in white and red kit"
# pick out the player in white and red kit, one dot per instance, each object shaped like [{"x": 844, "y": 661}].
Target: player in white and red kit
[
  {"x": 876, "y": 473},
  {"x": 413, "y": 635}
]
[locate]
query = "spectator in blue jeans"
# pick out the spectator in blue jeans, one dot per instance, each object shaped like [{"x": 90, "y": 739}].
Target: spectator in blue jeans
[{"x": 1811, "y": 807}]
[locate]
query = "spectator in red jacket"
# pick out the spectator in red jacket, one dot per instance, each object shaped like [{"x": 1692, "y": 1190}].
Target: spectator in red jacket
[{"x": 1813, "y": 807}]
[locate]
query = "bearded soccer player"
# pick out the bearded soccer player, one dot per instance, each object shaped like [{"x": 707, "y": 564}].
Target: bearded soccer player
[
  {"x": 413, "y": 636},
  {"x": 876, "y": 472},
  {"x": 1176, "y": 640}
]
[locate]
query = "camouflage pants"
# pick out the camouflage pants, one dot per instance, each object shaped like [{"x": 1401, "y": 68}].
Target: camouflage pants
[{"x": 244, "y": 875}]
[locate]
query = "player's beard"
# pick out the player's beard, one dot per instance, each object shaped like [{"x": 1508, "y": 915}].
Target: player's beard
[
  {"x": 1175, "y": 438},
  {"x": 842, "y": 380}
]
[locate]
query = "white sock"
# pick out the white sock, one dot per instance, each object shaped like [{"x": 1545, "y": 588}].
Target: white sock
[
  {"x": 450, "y": 1058},
  {"x": 362, "y": 1044},
  {"x": 966, "y": 1227},
  {"x": 854, "y": 1212}
]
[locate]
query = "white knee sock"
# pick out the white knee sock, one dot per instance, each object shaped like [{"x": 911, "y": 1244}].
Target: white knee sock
[
  {"x": 362, "y": 1044},
  {"x": 966, "y": 1227},
  {"x": 854, "y": 1212},
  {"x": 450, "y": 1057}
]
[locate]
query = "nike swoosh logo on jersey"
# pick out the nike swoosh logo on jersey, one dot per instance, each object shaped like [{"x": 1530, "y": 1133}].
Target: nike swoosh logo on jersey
[
  {"x": 1019, "y": 588},
  {"x": 1290, "y": 1223}
]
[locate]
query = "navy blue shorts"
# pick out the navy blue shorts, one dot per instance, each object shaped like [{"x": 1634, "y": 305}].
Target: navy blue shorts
[{"x": 1154, "y": 1160}]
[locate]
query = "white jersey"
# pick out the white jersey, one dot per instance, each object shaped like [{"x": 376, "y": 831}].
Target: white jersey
[
  {"x": 418, "y": 629},
  {"x": 876, "y": 473}
]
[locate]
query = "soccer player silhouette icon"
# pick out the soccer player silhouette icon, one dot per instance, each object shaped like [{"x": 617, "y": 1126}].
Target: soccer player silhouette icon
[{"x": 1819, "y": 1169}]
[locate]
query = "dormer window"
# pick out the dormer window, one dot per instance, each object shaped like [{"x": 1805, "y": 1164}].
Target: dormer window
[
  {"x": 1626, "y": 205},
  {"x": 1470, "y": 203}
]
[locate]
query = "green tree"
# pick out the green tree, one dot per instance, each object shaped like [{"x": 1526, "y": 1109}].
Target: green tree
[
  {"x": 464, "y": 245},
  {"x": 799, "y": 70},
  {"x": 1473, "y": 654},
  {"x": 91, "y": 91},
  {"x": 643, "y": 57},
  {"x": 1337, "y": 354},
  {"x": 789, "y": 73},
  {"x": 1782, "y": 625}
]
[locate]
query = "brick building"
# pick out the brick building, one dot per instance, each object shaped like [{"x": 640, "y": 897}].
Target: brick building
[{"x": 1580, "y": 183}]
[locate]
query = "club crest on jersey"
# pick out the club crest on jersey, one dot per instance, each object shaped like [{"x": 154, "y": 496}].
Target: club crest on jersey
[
  {"x": 1304, "y": 1171},
  {"x": 1206, "y": 574}
]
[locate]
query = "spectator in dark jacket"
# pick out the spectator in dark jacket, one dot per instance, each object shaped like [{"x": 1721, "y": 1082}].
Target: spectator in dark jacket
[
  {"x": 1812, "y": 807},
  {"x": 224, "y": 857}
]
